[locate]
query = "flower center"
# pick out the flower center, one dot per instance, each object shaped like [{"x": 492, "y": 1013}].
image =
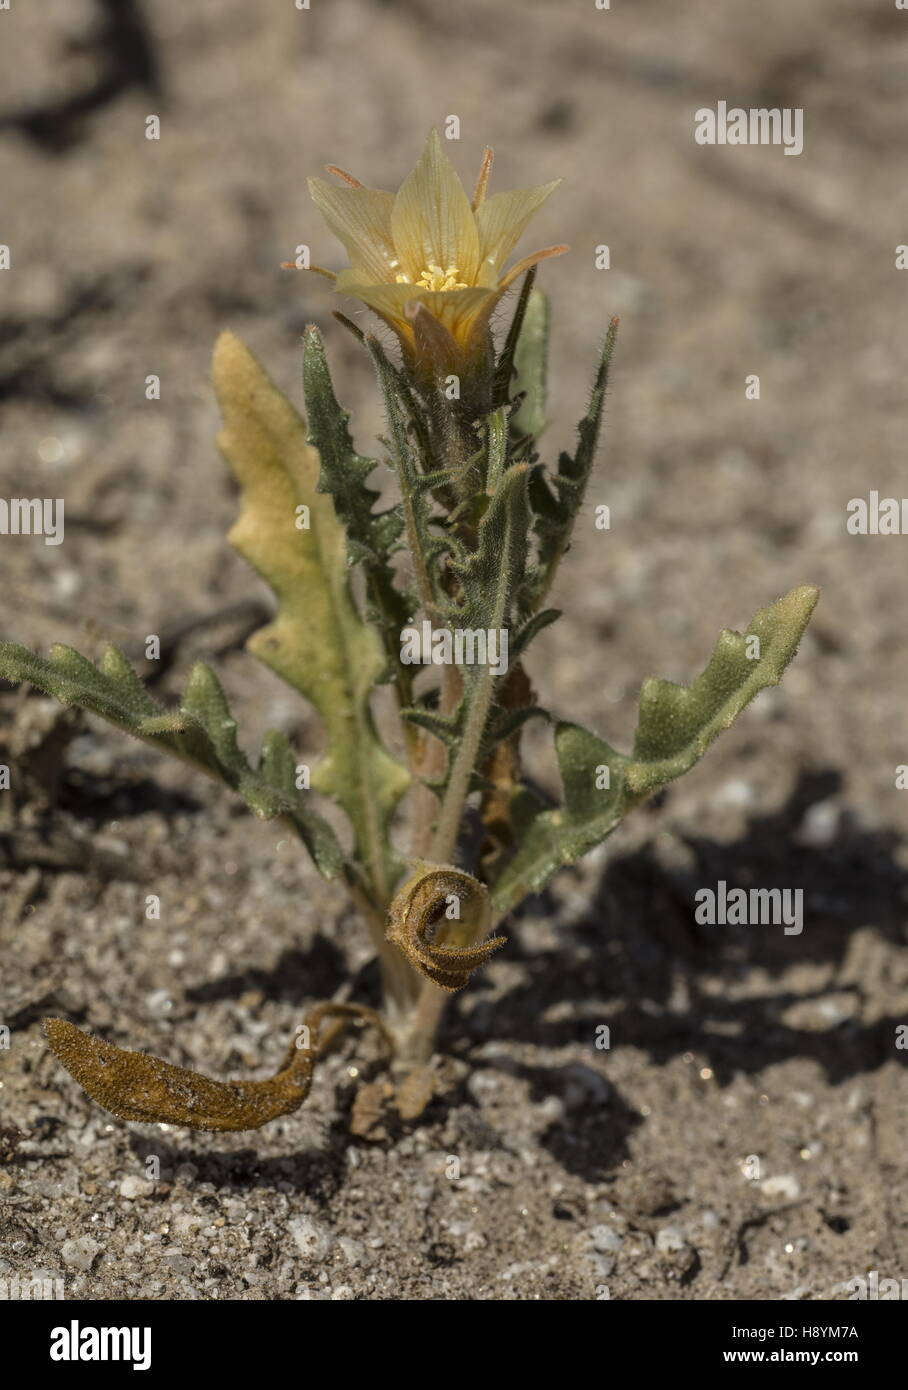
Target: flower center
[{"x": 434, "y": 278}]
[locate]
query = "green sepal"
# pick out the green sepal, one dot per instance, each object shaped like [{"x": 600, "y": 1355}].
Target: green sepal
[
  {"x": 531, "y": 366},
  {"x": 505, "y": 366}
]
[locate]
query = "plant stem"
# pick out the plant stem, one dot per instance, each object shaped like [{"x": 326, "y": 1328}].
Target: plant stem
[
  {"x": 425, "y": 1020},
  {"x": 400, "y": 982}
]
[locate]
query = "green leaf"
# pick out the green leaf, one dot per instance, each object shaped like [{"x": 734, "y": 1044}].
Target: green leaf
[
  {"x": 495, "y": 448},
  {"x": 504, "y": 367},
  {"x": 416, "y": 487},
  {"x": 488, "y": 577},
  {"x": 522, "y": 639},
  {"x": 557, "y": 511},
  {"x": 202, "y": 731},
  {"x": 677, "y": 723},
  {"x": 446, "y": 727},
  {"x": 531, "y": 363},
  {"x": 372, "y": 537},
  {"x": 549, "y": 839},
  {"x": 490, "y": 574},
  {"x": 317, "y": 642}
]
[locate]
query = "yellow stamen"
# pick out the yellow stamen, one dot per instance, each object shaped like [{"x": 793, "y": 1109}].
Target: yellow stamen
[{"x": 434, "y": 278}]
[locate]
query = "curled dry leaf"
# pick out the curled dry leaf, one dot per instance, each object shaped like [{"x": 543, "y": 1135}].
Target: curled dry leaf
[
  {"x": 439, "y": 919},
  {"x": 136, "y": 1086}
]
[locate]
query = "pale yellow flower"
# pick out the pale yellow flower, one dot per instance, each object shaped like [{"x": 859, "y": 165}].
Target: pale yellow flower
[{"x": 429, "y": 245}]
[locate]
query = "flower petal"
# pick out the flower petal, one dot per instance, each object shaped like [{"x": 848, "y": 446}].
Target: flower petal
[
  {"x": 360, "y": 218},
  {"x": 502, "y": 218},
  {"x": 432, "y": 222},
  {"x": 388, "y": 300},
  {"x": 459, "y": 310}
]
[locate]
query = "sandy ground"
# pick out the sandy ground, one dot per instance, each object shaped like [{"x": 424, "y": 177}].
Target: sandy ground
[{"x": 581, "y": 1172}]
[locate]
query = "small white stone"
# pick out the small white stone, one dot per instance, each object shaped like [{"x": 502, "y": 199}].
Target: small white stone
[
  {"x": 186, "y": 1223},
  {"x": 600, "y": 1265},
  {"x": 80, "y": 1253},
  {"x": 670, "y": 1240},
  {"x": 735, "y": 792},
  {"x": 354, "y": 1252},
  {"x": 820, "y": 824},
  {"x": 782, "y": 1185},
  {"x": 604, "y": 1239},
  {"x": 313, "y": 1240},
  {"x": 132, "y": 1187}
]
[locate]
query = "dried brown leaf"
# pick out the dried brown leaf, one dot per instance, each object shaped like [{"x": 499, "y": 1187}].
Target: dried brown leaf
[
  {"x": 445, "y": 951},
  {"x": 137, "y": 1086}
]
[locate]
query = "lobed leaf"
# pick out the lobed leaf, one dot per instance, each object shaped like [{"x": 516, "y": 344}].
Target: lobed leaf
[
  {"x": 556, "y": 506},
  {"x": 372, "y": 537},
  {"x": 488, "y": 577},
  {"x": 202, "y": 731},
  {"x": 676, "y": 725},
  {"x": 425, "y": 545},
  {"x": 317, "y": 642}
]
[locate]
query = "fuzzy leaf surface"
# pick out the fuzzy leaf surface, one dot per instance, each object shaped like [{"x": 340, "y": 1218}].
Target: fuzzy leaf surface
[
  {"x": 317, "y": 642},
  {"x": 676, "y": 725},
  {"x": 372, "y": 537},
  {"x": 488, "y": 577},
  {"x": 202, "y": 731},
  {"x": 425, "y": 545},
  {"x": 531, "y": 364},
  {"x": 556, "y": 506}
]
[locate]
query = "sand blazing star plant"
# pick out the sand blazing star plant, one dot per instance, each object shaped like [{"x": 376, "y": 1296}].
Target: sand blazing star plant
[{"x": 439, "y": 597}]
